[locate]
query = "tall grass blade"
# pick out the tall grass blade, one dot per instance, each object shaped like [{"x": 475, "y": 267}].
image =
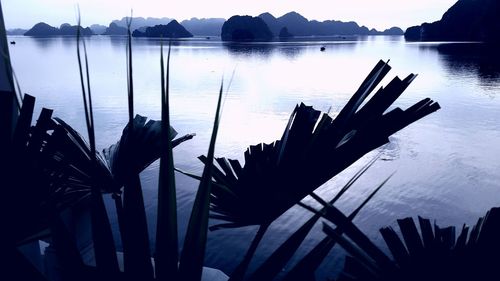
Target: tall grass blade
[
  {"x": 104, "y": 247},
  {"x": 306, "y": 267},
  {"x": 280, "y": 257},
  {"x": 136, "y": 249},
  {"x": 239, "y": 272},
  {"x": 352, "y": 249},
  {"x": 134, "y": 232},
  {"x": 130, "y": 80},
  {"x": 193, "y": 252},
  {"x": 356, "y": 235},
  {"x": 166, "y": 256}
]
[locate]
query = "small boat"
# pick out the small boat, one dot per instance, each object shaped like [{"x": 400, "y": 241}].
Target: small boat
[
  {"x": 322, "y": 48},
  {"x": 208, "y": 38},
  {"x": 13, "y": 42}
]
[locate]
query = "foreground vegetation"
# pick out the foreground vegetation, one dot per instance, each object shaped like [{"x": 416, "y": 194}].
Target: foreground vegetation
[{"x": 51, "y": 169}]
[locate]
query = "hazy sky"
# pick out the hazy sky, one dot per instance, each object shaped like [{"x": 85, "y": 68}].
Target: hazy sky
[{"x": 378, "y": 14}]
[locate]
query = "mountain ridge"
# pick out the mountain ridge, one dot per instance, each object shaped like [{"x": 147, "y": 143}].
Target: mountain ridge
[{"x": 466, "y": 20}]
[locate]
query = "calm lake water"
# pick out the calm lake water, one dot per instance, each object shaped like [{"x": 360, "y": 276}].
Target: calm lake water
[{"x": 447, "y": 165}]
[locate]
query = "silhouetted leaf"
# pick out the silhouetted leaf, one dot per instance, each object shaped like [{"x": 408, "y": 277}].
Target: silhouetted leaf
[
  {"x": 312, "y": 150},
  {"x": 166, "y": 256},
  {"x": 193, "y": 252}
]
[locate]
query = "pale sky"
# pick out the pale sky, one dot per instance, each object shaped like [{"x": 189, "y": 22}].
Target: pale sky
[{"x": 379, "y": 14}]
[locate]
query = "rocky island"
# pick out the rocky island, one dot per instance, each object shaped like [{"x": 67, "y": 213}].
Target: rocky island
[
  {"x": 298, "y": 25},
  {"x": 245, "y": 28},
  {"x": 44, "y": 30},
  {"x": 172, "y": 30},
  {"x": 467, "y": 20},
  {"x": 115, "y": 29}
]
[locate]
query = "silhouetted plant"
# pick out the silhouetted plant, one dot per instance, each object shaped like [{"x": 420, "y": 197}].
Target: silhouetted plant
[
  {"x": 433, "y": 254},
  {"x": 311, "y": 151},
  {"x": 64, "y": 169}
]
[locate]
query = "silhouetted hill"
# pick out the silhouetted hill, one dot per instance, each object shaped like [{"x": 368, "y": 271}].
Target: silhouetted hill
[
  {"x": 114, "y": 29},
  {"x": 245, "y": 28},
  {"x": 393, "y": 31},
  {"x": 68, "y": 30},
  {"x": 43, "y": 30},
  {"x": 467, "y": 20},
  {"x": 138, "y": 22},
  {"x": 271, "y": 22},
  {"x": 296, "y": 24},
  {"x": 300, "y": 26},
  {"x": 16, "y": 31},
  {"x": 98, "y": 28},
  {"x": 204, "y": 27},
  {"x": 171, "y": 30}
]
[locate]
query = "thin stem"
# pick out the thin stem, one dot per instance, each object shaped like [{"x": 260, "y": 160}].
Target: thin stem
[{"x": 241, "y": 269}]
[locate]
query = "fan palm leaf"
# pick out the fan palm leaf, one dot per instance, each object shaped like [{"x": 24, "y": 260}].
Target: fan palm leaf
[
  {"x": 433, "y": 253},
  {"x": 314, "y": 148}
]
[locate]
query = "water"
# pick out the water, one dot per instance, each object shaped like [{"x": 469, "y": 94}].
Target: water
[{"x": 446, "y": 165}]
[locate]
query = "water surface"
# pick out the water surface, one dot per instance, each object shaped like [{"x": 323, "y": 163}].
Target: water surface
[{"x": 446, "y": 165}]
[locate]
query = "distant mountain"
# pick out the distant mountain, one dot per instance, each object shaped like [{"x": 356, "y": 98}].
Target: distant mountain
[
  {"x": 245, "y": 28},
  {"x": 16, "y": 31},
  {"x": 300, "y": 26},
  {"x": 68, "y": 30},
  {"x": 466, "y": 20},
  {"x": 43, "y": 30},
  {"x": 172, "y": 30},
  {"x": 271, "y": 22},
  {"x": 296, "y": 24},
  {"x": 98, "y": 29},
  {"x": 204, "y": 27},
  {"x": 138, "y": 22},
  {"x": 114, "y": 29},
  {"x": 393, "y": 31}
]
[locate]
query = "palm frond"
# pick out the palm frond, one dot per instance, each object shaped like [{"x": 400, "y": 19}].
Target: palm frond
[
  {"x": 436, "y": 253},
  {"x": 273, "y": 265},
  {"x": 313, "y": 149}
]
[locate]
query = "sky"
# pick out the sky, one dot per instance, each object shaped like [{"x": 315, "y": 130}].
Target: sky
[{"x": 379, "y": 14}]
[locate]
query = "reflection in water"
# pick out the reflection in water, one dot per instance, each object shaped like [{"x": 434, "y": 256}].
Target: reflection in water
[
  {"x": 447, "y": 165},
  {"x": 249, "y": 49},
  {"x": 70, "y": 41},
  {"x": 479, "y": 59},
  {"x": 45, "y": 42},
  {"x": 290, "y": 51},
  {"x": 117, "y": 41}
]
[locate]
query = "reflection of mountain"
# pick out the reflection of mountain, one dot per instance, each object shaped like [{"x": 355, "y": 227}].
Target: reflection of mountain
[
  {"x": 300, "y": 26},
  {"x": 43, "y": 30},
  {"x": 204, "y": 27},
  {"x": 467, "y": 20},
  {"x": 247, "y": 49},
  {"x": 480, "y": 59}
]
